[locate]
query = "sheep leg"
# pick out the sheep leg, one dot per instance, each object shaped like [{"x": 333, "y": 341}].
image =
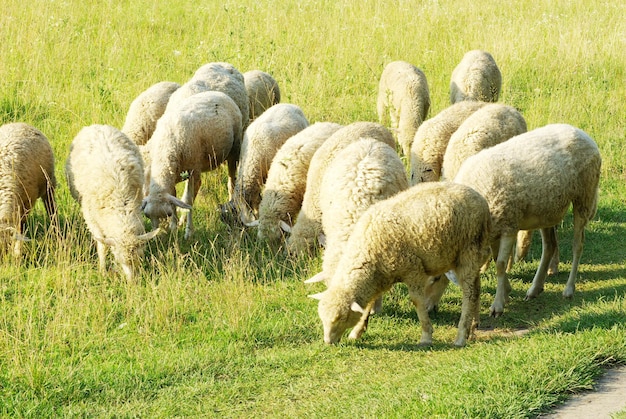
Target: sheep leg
[
  {"x": 102, "y": 254},
  {"x": 553, "y": 269},
  {"x": 421, "y": 307},
  {"x": 361, "y": 326},
  {"x": 505, "y": 246},
  {"x": 191, "y": 191},
  {"x": 469, "y": 280},
  {"x": 577, "y": 250},
  {"x": 548, "y": 241},
  {"x": 232, "y": 176}
]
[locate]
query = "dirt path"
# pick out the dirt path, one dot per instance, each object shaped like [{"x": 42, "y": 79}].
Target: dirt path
[{"x": 608, "y": 397}]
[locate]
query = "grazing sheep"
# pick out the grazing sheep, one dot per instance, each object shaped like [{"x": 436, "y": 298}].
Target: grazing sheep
[
  {"x": 220, "y": 77},
  {"x": 196, "y": 137},
  {"x": 477, "y": 77},
  {"x": 263, "y": 92},
  {"x": 286, "y": 180},
  {"x": 431, "y": 140},
  {"x": 104, "y": 172},
  {"x": 403, "y": 98},
  {"x": 365, "y": 172},
  {"x": 530, "y": 181},
  {"x": 261, "y": 141},
  {"x": 146, "y": 109},
  {"x": 26, "y": 174},
  {"x": 488, "y": 126},
  {"x": 412, "y": 237},
  {"x": 305, "y": 234}
]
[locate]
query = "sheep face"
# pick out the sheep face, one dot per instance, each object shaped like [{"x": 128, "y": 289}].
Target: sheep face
[
  {"x": 128, "y": 254},
  {"x": 337, "y": 318},
  {"x": 159, "y": 210}
]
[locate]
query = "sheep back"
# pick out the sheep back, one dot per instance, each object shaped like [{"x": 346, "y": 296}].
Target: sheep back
[
  {"x": 286, "y": 179},
  {"x": 146, "y": 109},
  {"x": 262, "y": 140},
  {"x": 263, "y": 91},
  {"x": 476, "y": 77},
  {"x": 418, "y": 234},
  {"x": 432, "y": 137},
  {"x": 308, "y": 225},
  {"x": 365, "y": 172},
  {"x": 26, "y": 174},
  {"x": 403, "y": 100},
  {"x": 531, "y": 179},
  {"x": 488, "y": 126}
]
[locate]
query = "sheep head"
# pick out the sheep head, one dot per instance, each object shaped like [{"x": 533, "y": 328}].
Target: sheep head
[
  {"x": 337, "y": 316},
  {"x": 162, "y": 206},
  {"x": 128, "y": 251}
]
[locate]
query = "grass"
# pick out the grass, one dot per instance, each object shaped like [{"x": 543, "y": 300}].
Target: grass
[{"x": 221, "y": 326}]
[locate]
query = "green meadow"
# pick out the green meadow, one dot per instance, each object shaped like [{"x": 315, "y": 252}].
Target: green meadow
[{"x": 220, "y": 326}]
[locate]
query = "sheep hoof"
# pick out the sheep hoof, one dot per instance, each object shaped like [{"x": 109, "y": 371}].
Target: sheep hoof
[{"x": 495, "y": 312}]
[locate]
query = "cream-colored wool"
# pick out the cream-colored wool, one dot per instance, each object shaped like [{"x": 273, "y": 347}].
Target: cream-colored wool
[
  {"x": 476, "y": 77},
  {"x": 431, "y": 140},
  {"x": 198, "y": 136},
  {"x": 26, "y": 174},
  {"x": 261, "y": 141},
  {"x": 146, "y": 109},
  {"x": 530, "y": 181},
  {"x": 413, "y": 237},
  {"x": 104, "y": 172},
  {"x": 286, "y": 180},
  {"x": 403, "y": 100},
  {"x": 305, "y": 234},
  {"x": 263, "y": 92}
]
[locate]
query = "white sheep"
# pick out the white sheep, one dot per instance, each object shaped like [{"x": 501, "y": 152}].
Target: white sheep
[
  {"x": 306, "y": 232},
  {"x": 476, "y": 77},
  {"x": 530, "y": 181},
  {"x": 263, "y": 91},
  {"x": 146, "y": 109},
  {"x": 488, "y": 126},
  {"x": 220, "y": 77},
  {"x": 432, "y": 137},
  {"x": 412, "y": 237},
  {"x": 196, "y": 137},
  {"x": 26, "y": 174},
  {"x": 364, "y": 172},
  {"x": 261, "y": 141},
  {"x": 286, "y": 180},
  {"x": 403, "y": 100},
  {"x": 104, "y": 172}
]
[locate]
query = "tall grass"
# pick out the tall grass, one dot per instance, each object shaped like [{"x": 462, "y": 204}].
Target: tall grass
[{"x": 221, "y": 326}]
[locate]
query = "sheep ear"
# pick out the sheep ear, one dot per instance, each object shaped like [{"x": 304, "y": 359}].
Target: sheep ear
[
  {"x": 254, "y": 223},
  {"x": 317, "y": 296},
  {"x": 284, "y": 226},
  {"x": 175, "y": 201},
  {"x": 105, "y": 240},
  {"x": 147, "y": 236},
  {"x": 356, "y": 307},
  {"x": 316, "y": 278}
]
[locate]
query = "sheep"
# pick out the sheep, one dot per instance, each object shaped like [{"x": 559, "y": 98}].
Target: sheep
[
  {"x": 146, "y": 109},
  {"x": 488, "y": 126},
  {"x": 529, "y": 182},
  {"x": 306, "y": 232},
  {"x": 197, "y": 137},
  {"x": 26, "y": 174},
  {"x": 286, "y": 180},
  {"x": 431, "y": 140},
  {"x": 476, "y": 77},
  {"x": 403, "y": 98},
  {"x": 104, "y": 172},
  {"x": 364, "y": 172},
  {"x": 412, "y": 237},
  {"x": 263, "y": 91},
  {"x": 261, "y": 141},
  {"x": 217, "y": 76}
]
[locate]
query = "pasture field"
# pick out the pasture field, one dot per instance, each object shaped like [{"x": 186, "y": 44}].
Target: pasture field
[{"x": 220, "y": 326}]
